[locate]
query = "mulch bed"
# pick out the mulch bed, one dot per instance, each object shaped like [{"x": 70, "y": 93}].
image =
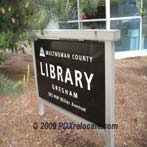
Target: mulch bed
[{"x": 17, "y": 114}]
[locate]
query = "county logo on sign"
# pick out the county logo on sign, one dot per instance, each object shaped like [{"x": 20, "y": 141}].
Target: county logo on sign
[{"x": 42, "y": 53}]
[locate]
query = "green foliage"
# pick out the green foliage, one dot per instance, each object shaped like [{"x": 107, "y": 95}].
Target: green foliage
[
  {"x": 9, "y": 87},
  {"x": 18, "y": 18},
  {"x": 142, "y": 8},
  {"x": 90, "y": 6},
  {"x": 2, "y": 57}
]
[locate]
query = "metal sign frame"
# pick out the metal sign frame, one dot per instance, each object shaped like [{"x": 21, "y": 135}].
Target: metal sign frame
[{"x": 107, "y": 36}]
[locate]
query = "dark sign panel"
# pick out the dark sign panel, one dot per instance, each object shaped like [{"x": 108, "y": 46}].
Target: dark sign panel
[{"x": 71, "y": 75}]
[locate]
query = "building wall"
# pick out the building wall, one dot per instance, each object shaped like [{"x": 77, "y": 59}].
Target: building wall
[{"x": 123, "y": 16}]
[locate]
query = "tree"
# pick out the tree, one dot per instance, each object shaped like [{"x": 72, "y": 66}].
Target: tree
[
  {"x": 19, "y": 17},
  {"x": 15, "y": 17},
  {"x": 142, "y": 7}
]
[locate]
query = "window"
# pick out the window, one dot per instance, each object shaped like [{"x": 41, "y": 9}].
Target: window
[
  {"x": 130, "y": 32},
  {"x": 92, "y": 9},
  {"x": 90, "y": 14},
  {"x": 68, "y": 25},
  {"x": 123, "y": 8},
  {"x": 94, "y": 25},
  {"x": 68, "y": 10}
]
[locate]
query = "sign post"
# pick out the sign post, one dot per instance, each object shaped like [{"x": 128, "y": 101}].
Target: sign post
[{"x": 74, "y": 72}]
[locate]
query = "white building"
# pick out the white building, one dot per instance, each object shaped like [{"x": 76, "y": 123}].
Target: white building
[{"x": 111, "y": 14}]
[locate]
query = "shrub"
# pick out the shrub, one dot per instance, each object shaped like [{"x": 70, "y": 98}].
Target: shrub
[
  {"x": 9, "y": 87},
  {"x": 2, "y": 58}
]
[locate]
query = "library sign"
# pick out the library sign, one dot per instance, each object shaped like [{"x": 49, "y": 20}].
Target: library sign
[
  {"x": 71, "y": 75},
  {"x": 74, "y": 73}
]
